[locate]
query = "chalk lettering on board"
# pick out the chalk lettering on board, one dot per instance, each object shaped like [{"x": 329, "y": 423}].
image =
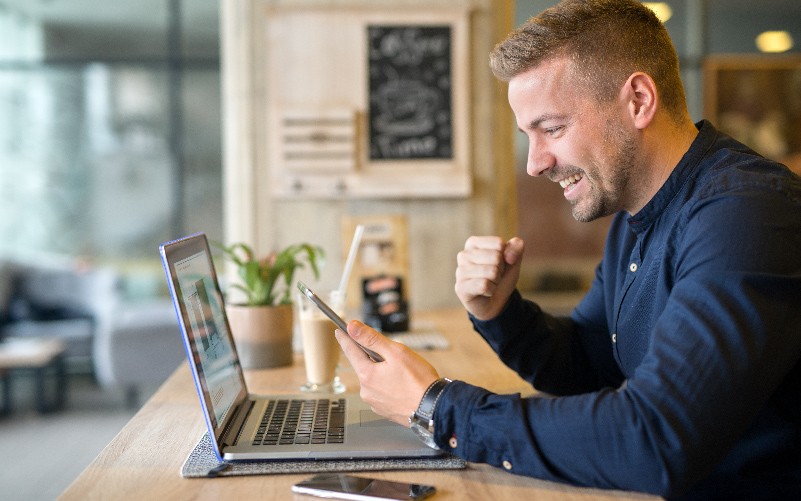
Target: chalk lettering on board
[{"x": 410, "y": 88}]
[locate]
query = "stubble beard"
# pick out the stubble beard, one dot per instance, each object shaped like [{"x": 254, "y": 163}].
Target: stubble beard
[{"x": 604, "y": 200}]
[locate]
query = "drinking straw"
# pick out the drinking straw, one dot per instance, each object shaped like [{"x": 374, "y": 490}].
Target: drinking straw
[{"x": 354, "y": 248}]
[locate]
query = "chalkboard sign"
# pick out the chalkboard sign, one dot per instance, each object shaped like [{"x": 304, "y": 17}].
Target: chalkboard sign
[{"x": 410, "y": 91}]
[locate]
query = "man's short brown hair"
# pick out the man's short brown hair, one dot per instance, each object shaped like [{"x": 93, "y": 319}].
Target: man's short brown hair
[{"x": 606, "y": 41}]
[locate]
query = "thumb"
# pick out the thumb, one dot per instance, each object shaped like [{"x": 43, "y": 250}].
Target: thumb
[
  {"x": 362, "y": 343},
  {"x": 513, "y": 258},
  {"x": 513, "y": 251}
]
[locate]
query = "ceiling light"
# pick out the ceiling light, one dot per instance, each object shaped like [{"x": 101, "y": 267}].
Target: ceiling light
[
  {"x": 774, "y": 41},
  {"x": 661, "y": 9}
]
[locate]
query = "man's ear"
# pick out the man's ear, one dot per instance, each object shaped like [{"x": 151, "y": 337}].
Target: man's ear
[{"x": 641, "y": 98}]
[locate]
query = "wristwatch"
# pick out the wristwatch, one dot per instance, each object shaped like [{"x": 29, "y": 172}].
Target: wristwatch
[{"x": 421, "y": 421}]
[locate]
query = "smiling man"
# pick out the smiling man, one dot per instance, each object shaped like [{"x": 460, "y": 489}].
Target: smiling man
[
  {"x": 592, "y": 149},
  {"x": 679, "y": 373}
]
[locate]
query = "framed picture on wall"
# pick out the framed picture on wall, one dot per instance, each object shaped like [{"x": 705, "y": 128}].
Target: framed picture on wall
[
  {"x": 757, "y": 100},
  {"x": 380, "y": 107}
]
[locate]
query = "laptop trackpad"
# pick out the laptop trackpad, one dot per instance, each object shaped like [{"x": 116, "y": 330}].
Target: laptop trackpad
[{"x": 369, "y": 418}]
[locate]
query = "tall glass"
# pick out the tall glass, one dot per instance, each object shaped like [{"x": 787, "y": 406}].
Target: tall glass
[{"x": 321, "y": 350}]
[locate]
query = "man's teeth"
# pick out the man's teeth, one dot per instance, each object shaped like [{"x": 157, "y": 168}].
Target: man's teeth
[{"x": 575, "y": 178}]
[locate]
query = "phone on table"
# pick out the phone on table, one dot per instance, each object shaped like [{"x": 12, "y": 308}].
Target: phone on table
[
  {"x": 341, "y": 486},
  {"x": 375, "y": 357}
]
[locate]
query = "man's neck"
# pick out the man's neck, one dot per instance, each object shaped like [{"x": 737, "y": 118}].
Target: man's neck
[{"x": 664, "y": 146}]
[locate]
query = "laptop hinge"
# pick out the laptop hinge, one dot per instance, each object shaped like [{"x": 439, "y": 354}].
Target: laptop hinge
[{"x": 232, "y": 432}]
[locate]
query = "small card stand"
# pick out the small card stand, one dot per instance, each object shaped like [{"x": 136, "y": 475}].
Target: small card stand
[{"x": 385, "y": 308}]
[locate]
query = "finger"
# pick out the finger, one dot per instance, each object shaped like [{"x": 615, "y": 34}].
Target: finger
[
  {"x": 477, "y": 280},
  {"x": 358, "y": 360},
  {"x": 475, "y": 287},
  {"x": 489, "y": 257},
  {"x": 479, "y": 272},
  {"x": 367, "y": 336},
  {"x": 484, "y": 242},
  {"x": 357, "y": 350}
]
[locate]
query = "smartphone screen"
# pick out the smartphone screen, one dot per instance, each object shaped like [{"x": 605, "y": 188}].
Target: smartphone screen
[
  {"x": 330, "y": 313},
  {"x": 339, "y": 486}
]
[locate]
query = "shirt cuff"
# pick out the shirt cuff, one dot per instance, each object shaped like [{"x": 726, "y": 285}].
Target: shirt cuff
[
  {"x": 510, "y": 309},
  {"x": 452, "y": 416}
]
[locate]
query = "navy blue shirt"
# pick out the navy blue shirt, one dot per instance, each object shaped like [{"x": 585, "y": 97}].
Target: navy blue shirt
[{"x": 679, "y": 373}]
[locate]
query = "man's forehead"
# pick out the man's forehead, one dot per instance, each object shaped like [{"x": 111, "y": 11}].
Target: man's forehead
[
  {"x": 543, "y": 92},
  {"x": 549, "y": 72}
]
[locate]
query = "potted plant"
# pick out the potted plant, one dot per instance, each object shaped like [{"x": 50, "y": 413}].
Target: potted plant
[{"x": 262, "y": 323}]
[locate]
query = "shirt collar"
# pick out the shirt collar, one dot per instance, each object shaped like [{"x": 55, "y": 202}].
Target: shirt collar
[{"x": 692, "y": 158}]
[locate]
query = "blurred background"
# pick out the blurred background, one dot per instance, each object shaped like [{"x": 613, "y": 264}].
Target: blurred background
[
  {"x": 110, "y": 138},
  {"x": 111, "y": 142}
]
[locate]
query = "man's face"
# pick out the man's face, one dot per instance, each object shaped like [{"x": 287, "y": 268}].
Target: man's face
[{"x": 574, "y": 140}]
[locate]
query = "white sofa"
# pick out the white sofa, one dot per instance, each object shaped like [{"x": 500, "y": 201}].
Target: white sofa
[
  {"x": 140, "y": 348},
  {"x": 67, "y": 302}
]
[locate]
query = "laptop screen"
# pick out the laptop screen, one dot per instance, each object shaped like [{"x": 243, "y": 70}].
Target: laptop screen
[{"x": 198, "y": 297}]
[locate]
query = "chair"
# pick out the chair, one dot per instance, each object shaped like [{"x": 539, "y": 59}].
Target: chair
[{"x": 141, "y": 347}]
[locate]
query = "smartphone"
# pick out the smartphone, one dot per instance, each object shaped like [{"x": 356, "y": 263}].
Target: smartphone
[
  {"x": 340, "y": 486},
  {"x": 375, "y": 357}
]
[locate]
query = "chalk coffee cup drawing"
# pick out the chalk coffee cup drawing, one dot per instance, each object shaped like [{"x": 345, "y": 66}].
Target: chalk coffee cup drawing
[
  {"x": 321, "y": 350},
  {"x": 405, "y": 108}
]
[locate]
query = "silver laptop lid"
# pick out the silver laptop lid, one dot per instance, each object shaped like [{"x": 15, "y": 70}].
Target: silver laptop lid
[{"x": 198, "y": 301}]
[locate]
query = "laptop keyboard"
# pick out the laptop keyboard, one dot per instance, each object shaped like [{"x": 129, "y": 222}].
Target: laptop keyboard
[{"x": 291, "y": 422}]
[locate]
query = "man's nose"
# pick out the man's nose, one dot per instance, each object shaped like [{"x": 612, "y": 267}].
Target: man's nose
[{"x": 539, "y": 159}]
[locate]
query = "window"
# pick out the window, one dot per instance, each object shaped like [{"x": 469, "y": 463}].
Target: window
[{"x": 110, "y": 139}]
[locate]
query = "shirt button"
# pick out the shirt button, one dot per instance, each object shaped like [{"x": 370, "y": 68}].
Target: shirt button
[
  {"x": 633, "y": 267},
  {"x": 614, "y": 337},
  {"x": 453, "y": 443},
  {"x": 507, "y": 465}
]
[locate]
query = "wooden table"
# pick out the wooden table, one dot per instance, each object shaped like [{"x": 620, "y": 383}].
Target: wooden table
[{"x": 133, "y": 466}]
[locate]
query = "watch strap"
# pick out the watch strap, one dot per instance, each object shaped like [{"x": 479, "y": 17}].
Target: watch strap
[{"x": 425, "y": 411}]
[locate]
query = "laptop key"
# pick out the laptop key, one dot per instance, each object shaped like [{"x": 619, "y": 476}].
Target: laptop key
[{"x": 302, "y": 422}]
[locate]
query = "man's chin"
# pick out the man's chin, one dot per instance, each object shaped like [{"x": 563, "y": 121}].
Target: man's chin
[
  {"x": 582, "y": 218},
  {"x": 584, "y": 214}
]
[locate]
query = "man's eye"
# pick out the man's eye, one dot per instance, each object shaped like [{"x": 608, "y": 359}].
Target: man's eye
[{"x": 553, "y": 130}]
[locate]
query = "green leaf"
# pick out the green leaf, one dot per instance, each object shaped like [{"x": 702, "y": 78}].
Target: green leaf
[{"x": 269, "y": 281}]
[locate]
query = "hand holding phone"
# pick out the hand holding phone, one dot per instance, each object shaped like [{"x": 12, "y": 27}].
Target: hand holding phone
[
  {"x": 375, "y": 357},
  {"x": 337, "y": 485}
]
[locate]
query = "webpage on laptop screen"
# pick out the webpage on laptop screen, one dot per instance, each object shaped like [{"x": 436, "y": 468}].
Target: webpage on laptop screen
[{"x": 213, "y": 353}]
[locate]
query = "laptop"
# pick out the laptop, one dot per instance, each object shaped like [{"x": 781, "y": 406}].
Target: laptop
[{"x": 243, "y": 426}]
